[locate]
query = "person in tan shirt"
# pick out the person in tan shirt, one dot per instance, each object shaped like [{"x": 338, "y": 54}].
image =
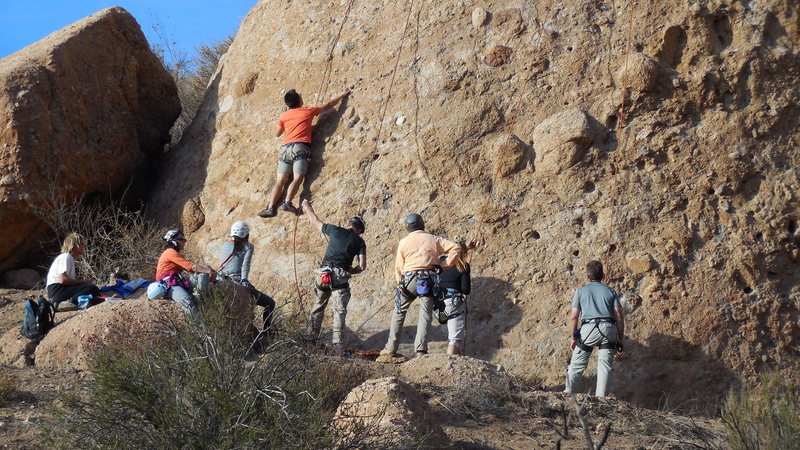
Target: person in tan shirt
[{"x": 417, "y": 266}]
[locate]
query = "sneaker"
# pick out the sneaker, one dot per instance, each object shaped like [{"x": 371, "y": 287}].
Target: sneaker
[
  {"x": 269, "y": 212},
  {"x": 287, "y": 206}
]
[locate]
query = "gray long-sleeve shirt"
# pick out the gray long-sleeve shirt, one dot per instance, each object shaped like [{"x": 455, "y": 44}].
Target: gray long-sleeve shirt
[{"x": 238, "y": 268}]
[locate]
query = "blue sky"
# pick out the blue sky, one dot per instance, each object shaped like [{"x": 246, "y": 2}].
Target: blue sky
[{"x": 188, "y": 23}]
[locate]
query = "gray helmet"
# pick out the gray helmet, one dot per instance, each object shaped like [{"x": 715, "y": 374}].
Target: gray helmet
[
  {"x": 173, "y": 236},
  {"x": 414, "y": 222},
  {"x": 359, "y": 222}
]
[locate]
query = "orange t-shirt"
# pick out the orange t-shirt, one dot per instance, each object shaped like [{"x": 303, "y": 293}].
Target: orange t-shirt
[
  {"x": 296, "y": 124},
  {"x": 172, "y": 261}
]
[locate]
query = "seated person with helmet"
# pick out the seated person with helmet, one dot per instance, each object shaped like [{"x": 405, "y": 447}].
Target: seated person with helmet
[
  {"x": 171, "y": 264},
  {"x": 335, "y": 271},
  {"x": 235, "y": 266}
]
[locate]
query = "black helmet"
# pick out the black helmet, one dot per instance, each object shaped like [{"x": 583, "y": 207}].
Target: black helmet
[
  {"x": 359, "y": 222},
  {"x": 414, "y": 222}
]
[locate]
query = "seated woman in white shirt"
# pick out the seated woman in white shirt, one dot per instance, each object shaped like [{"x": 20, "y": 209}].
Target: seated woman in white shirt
[{"x": 62, "y": 283}]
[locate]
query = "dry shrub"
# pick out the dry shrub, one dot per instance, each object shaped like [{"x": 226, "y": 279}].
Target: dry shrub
[
  {"x": 207, "y": 390},
  {"x": 190, "y": 72},
  {"x": 118, "y": 239},
  {"x": 8, "y": 386},
  {"x": 475, "y": 396},
  {"x": 764, "y": 418}
]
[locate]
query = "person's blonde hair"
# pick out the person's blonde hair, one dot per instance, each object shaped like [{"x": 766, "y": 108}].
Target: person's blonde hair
[
  {"x": 463, "y": 256},
  {"x": 71, "y": 241}
]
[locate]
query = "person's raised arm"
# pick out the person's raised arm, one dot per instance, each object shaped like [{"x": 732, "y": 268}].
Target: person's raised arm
[
  {"x": 312, "y": 216},
  {"x": 336, "y": 100},
  {"x": 451, "y": 249}
]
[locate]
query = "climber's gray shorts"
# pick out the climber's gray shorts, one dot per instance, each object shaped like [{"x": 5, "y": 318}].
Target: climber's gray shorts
[{"x": 294, "y": 158}]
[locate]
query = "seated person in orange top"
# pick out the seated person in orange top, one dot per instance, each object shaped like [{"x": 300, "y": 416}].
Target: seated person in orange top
[
  {"x": 295, "y": 148},
  {"x": 171, "y": 265}
]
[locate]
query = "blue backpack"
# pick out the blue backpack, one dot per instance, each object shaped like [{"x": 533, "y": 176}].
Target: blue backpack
[{"x": 38, "y": 320}]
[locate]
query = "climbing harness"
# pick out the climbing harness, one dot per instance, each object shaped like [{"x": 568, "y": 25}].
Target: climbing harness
[
  {"x": 330, "y": 277},
  {"x": 610, "y": 345}
]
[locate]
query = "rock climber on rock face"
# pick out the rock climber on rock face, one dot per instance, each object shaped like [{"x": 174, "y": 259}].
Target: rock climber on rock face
[
  {"x": 295, "y": 127},
  {"x": 417, "y": 266},
  {"x": 602, "y": 325},
  {"x": 335, "y": 271}
]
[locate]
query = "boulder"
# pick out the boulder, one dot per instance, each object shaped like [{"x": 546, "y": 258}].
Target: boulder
[
  {"x": 71, "y": 343},
  {"x": 508, "y": 152},
  {"x": 12, "y": 348},
  {"x": 386, "y": 413},
  {"x": 22, "y": 279},
  {"x": 82, "y": 110},
  {"x": 639, "y": 262},
  {"x": 561, "y": 140},
  {"x": 447, "y": 371},
  {"x": 641, "y": 74}
]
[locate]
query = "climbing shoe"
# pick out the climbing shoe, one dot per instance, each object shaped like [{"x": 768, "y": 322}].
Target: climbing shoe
[
  {"x": 287, "y": 206},
  {"x": 269, "y": 212}
]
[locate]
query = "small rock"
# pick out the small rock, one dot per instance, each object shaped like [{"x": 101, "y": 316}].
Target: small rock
[
  {"x": 639, "y": 263},
  {"x": 400, "y": 120},
  {"x": 479, "y": 16},
  {"x": 497, "y": 55}
]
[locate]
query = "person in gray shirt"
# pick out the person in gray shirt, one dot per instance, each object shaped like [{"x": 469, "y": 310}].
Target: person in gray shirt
[
  {"x": 235, "y": 266},
  {"x": 602, "y": 325}
]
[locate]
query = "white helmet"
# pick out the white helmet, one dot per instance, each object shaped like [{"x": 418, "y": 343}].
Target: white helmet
[
  {"x": 156, "y": 290},
  {"x": 173, "y": 236},
  {"x": 240, "y": 230}
]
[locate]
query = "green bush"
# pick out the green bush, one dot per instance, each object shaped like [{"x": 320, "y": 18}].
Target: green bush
[
  {"x": 764, "y": 418},
  {"x": 206, "y": 389}
]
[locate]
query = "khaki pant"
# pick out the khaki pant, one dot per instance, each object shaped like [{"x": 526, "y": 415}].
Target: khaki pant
[
  {"x": 593, "y": 334},
  {"x": 399, "y": 317},
  {"x": 341, "y": 299}
]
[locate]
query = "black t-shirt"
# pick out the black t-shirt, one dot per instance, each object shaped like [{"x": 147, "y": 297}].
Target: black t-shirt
[
  {"x": 453, "y": 279},
  {"x": 343, "y": 246}
]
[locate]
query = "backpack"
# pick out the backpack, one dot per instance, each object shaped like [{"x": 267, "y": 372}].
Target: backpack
[{"x": 38, "y": 320}]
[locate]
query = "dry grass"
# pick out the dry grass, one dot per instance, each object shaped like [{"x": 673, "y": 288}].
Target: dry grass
[
  {"x": 8, "y": 386},
  {"x": 764, "y": 418}
]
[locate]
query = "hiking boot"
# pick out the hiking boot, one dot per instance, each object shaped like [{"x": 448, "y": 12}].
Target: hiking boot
[
  {"x": 386, "y": 352},
  {"x": 287, "y": 206},
  {"x": 269, "y": 212},
  {"x": 421, "y": 353}
]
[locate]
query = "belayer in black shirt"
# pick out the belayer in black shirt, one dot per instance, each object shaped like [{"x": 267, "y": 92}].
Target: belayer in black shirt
[
  {"x": 455, "y": 284},
  {"x": 334, "y": 273}
]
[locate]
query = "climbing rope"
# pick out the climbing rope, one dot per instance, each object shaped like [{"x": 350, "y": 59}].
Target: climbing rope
[
  {"x": 621, "y": 142},
  {"x": 376, "y": 139},
  {"x": 321, "y": 92},
  {"x": 323, "y": 86}
]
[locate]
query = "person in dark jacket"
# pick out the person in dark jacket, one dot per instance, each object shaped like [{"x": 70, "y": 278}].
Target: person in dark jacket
[{"x": 455, "y": 282}]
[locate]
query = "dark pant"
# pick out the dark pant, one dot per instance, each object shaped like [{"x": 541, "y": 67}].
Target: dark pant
[
  {"x": 63, "y": 293},
  {"x": 267, "y": 302}
]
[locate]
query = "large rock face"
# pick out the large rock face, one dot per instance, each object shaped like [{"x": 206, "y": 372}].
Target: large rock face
[
  {"x": 81, "y": 110},
  {"x": 704, "y": 234}
]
